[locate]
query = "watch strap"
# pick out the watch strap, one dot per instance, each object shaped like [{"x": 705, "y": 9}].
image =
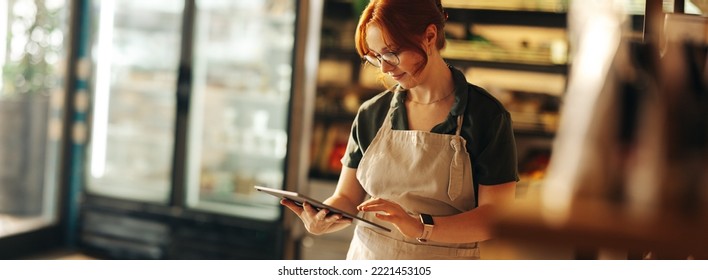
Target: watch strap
[{"x": 428, "y": 225}]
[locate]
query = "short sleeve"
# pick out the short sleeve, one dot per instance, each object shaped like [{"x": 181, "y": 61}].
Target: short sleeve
[
  {"x": 497, "y": 161},
  {"x": 354, "y": 152},
  {"x": 366, "y": 124}
]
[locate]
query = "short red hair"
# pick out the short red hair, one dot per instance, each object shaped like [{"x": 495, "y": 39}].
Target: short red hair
[{"x": 403, "y": 24}]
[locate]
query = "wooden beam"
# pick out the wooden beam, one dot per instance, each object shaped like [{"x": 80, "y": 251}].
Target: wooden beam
[{"x": 653, "y": 21}]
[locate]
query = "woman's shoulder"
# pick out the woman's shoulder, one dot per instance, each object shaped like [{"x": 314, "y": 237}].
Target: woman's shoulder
[
  {"x": 481, "y": 100},
  {"x": 377, "y": 105},
  {"x": 478, "y": 99}
]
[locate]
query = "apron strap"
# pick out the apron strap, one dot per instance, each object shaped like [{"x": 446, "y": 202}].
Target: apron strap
[
  {"x": 457, "y": 166},
  {"x": 459, "y": 125},
  {"x": 387, "y": 124}
]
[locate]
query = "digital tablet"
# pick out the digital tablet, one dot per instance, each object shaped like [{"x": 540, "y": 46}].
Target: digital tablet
[{"x": 299, "y": 199}]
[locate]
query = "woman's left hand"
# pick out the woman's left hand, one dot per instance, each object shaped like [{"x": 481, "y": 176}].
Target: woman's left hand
[{"x": 393, "y": 213}]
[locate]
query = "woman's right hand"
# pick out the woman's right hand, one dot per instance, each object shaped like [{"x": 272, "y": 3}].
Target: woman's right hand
[{"x": 317, "y": 222}]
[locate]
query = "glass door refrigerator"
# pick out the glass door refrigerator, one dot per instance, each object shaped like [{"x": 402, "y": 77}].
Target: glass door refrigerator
[
  {"x": 193, "y": 104},
  {"x": 35, "y": 50}
]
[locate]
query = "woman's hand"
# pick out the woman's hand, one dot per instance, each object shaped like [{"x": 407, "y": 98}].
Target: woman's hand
[
  {"x": 395, "y": 214},
  {"x": 317, "y": 222}
]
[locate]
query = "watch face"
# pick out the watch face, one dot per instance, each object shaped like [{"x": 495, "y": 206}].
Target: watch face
[{"x": 426, "y": 219}]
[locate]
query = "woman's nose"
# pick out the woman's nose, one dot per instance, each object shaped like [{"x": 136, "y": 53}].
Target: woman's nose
[{"x": 386, "y": 67}]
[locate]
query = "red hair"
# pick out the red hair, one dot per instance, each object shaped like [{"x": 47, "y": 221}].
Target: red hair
[{"x": 403, "y": 24}]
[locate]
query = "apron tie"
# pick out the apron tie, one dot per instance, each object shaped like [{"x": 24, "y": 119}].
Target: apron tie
[{"x": 457, "y": 168}]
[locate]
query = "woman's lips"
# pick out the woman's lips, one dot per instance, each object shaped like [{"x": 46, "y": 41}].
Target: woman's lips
[{"x": 397, "y": 76}]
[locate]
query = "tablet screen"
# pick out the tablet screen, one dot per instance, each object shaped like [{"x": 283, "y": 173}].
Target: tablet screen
[{"x": 300, "y": 198}]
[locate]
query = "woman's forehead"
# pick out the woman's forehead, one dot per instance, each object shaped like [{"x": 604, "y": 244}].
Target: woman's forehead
[{"x": 376, "y": 39}]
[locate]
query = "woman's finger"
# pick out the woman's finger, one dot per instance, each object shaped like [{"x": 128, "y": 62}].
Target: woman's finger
[
  {"x": 332, "y": 218},
  {"x": 341, "y": 221},
  {"x": 321, "y": 215},
  {"x": 373, "y": 202},
  {"x": 292, "y": 206},
  {"x": 313, "y": 214},
  {"x": 308, "y": 209},
  {"x": 379, "y": 206},
  {"x": 375, "y": 207},
  {"x": 386, "y": 217}
]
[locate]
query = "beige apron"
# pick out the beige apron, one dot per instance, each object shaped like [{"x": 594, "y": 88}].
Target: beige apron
[{"x": 424, "y": 172}]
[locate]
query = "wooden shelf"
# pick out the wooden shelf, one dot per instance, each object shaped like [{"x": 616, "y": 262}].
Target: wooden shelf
[
  {"x": 541, "y": 68},
  {"x": 603, "y": 225},
  {"x": 509, "y": 17},
  {"x": 340, "y": 53},
  {"x": 509, "y": 5}
]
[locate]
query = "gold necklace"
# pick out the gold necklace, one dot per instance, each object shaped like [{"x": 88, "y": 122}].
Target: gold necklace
[{"x": 431, "y": 102}]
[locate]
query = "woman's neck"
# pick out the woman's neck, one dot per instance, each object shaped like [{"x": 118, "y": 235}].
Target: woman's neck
[{"x": 437, "y": 84}]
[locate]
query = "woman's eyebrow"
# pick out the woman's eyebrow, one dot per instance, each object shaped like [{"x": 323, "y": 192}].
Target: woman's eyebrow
[{"x": 384, "y": 50}]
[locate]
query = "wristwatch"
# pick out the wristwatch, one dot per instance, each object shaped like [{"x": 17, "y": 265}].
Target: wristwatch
[{"x": 428, "y": 225}]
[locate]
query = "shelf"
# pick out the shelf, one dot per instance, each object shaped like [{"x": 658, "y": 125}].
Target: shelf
[
  {"x": 508, "y": 17},
  {"x": 509, "y": 5},
  {"x": 339, "y": 53},
  {"x": 484, "y": 54},
  {"x": 551, "y": 69},
  {"x": 603, "y": 225}
]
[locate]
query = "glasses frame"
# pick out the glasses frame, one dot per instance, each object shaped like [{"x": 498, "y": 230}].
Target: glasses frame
[{"x": 377, "y": 60}]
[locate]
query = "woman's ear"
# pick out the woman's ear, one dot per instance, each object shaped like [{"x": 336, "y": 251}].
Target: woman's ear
[{"x": 431, "y": 35}]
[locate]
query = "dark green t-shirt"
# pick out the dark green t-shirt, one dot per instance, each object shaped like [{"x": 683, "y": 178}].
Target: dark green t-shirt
[{"x": 486, "y": 127}]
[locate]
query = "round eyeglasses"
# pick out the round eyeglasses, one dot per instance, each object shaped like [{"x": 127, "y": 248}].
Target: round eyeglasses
[{"x": 391, "y": 58}]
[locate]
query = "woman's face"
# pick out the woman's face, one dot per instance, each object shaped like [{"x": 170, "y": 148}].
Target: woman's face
[{"x": 403, "y": 73}]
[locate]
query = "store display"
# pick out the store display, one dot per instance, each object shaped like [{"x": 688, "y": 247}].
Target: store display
[{"x": 508, "y": 43}]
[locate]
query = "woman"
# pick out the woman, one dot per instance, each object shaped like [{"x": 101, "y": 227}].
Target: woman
[{"x": 434, "y": 155}]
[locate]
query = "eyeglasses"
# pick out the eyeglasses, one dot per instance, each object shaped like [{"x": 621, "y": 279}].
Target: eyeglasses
[{"x": 391, "y": 58}]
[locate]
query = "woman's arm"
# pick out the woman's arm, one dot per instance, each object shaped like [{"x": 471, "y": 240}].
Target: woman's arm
[
  {"x": 474, "y": 225},
  {"x": 466, "y": 227},
  {"x": 349, "y": 192}
]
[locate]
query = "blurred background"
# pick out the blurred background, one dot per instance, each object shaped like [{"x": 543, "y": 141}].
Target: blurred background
[{"x": 137, "y": 129}]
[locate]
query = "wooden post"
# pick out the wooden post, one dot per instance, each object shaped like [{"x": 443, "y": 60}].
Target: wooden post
[{"x": 653, "y": 21}]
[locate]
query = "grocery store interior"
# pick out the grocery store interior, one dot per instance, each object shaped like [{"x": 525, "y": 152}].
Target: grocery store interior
[{"x": 134, "y": 129}]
